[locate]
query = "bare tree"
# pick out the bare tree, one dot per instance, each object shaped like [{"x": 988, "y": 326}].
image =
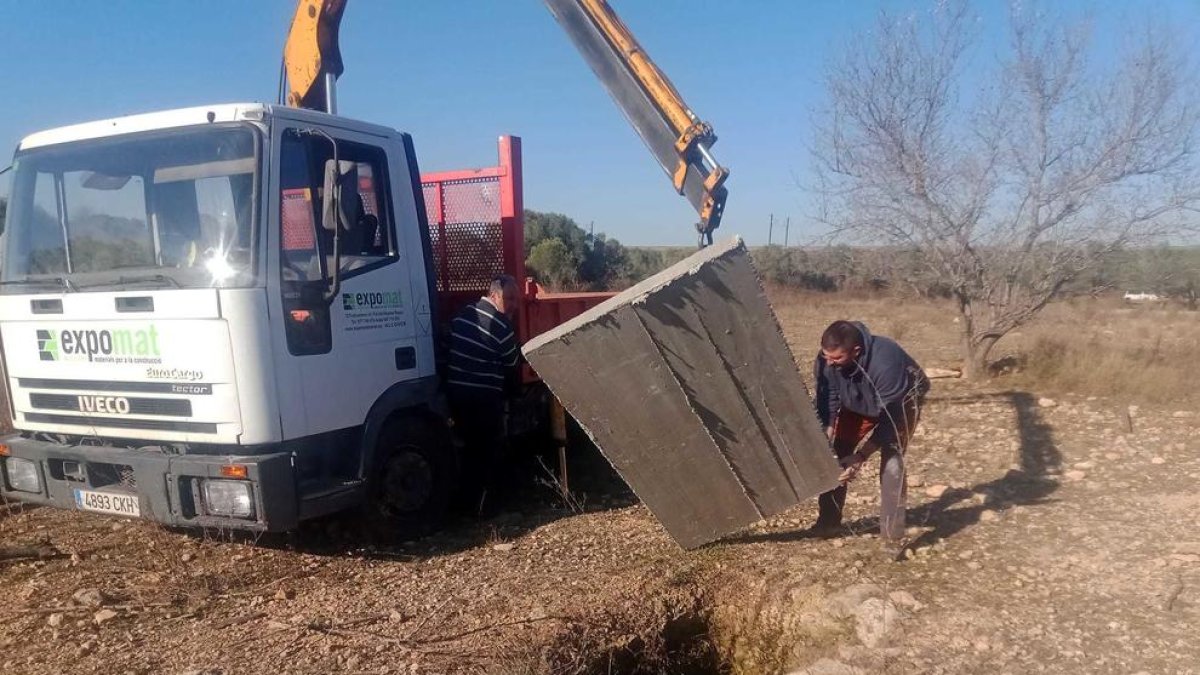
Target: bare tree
[{"x": 1013, "y": 187}]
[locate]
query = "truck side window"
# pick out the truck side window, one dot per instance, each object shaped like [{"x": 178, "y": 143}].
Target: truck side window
[
  {"x": 299, "y": 212},
  {"x": 306, "y": 247},
  {"x": 305, "y": 313},
  {"x": 370, "y": 241}
]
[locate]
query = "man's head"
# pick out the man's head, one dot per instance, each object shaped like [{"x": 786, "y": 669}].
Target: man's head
[
  {"x": 503, "y": 294},
  {"x": 841, "y": 344}
]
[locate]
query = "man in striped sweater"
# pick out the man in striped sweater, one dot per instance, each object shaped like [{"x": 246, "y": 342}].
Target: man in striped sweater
[{"x": 483, "y": 370}]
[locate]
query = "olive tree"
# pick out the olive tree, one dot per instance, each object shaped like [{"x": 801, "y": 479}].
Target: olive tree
[{"x": 1010, "y": 181}]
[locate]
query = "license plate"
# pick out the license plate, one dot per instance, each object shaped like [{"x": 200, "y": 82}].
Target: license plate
[{"x": 108, "y": 502}]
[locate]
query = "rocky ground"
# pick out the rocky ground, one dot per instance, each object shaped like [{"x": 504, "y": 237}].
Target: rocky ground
[{"x": 1047, "y": 536}]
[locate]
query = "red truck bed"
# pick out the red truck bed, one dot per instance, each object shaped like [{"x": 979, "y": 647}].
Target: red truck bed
[{"x": 477, "y": 229}]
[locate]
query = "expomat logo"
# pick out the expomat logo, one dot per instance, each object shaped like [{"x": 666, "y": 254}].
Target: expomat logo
[
  {"x": 372, "y": 300},
  {"x": 109, "y": 345}
]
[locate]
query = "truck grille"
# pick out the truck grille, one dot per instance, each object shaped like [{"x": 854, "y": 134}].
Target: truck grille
[
  {"x": 169, "y": 407},
  {"x": 122, "y": 423},
  {"x": 104, "y": 475}
]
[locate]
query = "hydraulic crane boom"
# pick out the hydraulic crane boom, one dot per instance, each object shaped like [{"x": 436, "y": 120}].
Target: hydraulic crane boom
[
  {"x": 311, "y": 56},
  {"x": 679, "y": 140}
]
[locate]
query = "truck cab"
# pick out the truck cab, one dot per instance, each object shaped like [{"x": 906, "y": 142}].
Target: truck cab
[{"x": 222, "y": 316}]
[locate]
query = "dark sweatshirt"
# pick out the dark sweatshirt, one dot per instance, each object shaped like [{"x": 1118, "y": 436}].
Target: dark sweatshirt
[{"x": 883, "y": 377}]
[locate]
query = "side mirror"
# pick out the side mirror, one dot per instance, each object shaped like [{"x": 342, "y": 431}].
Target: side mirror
[{"x": 338, "y": 212}]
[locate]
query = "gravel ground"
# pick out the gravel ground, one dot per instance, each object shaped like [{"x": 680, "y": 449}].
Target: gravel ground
[{"x": 1047, "y": 536}]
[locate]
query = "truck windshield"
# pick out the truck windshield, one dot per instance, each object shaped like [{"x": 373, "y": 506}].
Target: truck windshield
[{"x": 174, "y": 209}]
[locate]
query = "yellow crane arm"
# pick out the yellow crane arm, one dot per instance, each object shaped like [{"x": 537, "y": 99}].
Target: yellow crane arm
[
  {"x": 678, "y": 139},
  {"x": 311, "y": 55}
]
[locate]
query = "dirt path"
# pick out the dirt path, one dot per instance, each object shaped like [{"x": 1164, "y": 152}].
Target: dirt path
[{"x": 1047, "y": 538}]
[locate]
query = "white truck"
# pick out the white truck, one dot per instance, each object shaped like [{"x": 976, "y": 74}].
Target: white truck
[
  {"x": 192, "y": 333},
  {"x": 227, "y": 316}
]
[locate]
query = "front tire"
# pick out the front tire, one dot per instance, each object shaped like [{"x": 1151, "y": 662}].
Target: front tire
[{"x": 413, "y": 478}]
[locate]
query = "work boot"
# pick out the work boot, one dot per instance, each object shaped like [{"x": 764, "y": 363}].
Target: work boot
[{"x": 826, "y": 529}]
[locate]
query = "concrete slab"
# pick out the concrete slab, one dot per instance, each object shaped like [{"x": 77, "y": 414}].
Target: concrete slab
[{"x": 687, "y": 386}]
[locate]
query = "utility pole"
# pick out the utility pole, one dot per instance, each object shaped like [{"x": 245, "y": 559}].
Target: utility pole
[
  {"x": 787, "y": 228},
  {"x": 770, "y": 229}
]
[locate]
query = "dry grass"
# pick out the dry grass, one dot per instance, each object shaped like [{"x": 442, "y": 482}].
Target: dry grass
[
  {"x": 926, "y": 328},
  {"x": 1090, "y": 347},
  {"x": 1100, "y": 348}
]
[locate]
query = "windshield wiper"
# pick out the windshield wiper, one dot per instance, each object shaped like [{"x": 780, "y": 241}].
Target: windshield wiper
[
  {"x": 122, "y": 281},
  {"x": 61, "y": 282}
]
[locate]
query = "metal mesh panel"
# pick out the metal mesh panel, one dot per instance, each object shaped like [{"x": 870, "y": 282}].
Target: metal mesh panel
[
  {"x": 471, "y": 254},
  {"x": 431, "y": 205}
]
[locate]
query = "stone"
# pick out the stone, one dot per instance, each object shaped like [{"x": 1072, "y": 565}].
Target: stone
[
  {"x": 1047, "y": 402},
  {"x": 1075, "y": 475},
  {"x": 104, "y": 616},
  {"x": 1182, "y": 414},
  {"x": 89, "y": 597},
  {"x": 915, "y": 480},
  {"x": 942, "y": 373},
  {"x": 187, "y": 557},
  {"x": 55, "y": 620},
  {"x": 283, "y": 594},
  {"x": 989, "y": 516},
  {"x": 705, "y": 430},
  {"x": 845, "y": 603},
  {"x": 905, "y": 600},
  {"x": 877, "y": 623},
  {"x": 1157, "y": 460},
  {"x": 936, "y": 491},
  {"x": 1085, "y": 465},
  {"x": 504, "y": 548},
  {"x": 974, "y": 565}
]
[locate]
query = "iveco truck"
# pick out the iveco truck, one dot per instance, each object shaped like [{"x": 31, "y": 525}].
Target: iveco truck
[
  {"x": 228, "y": 316},
  {"x": 221, "y": 316}
]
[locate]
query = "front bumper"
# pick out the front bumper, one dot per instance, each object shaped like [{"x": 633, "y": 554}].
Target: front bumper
[{"x": 167, "y": 485}]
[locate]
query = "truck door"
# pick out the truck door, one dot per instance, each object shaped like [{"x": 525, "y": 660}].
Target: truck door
[{"x": 334, "y": 359}]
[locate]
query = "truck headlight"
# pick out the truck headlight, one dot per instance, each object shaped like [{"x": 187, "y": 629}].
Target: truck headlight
[
  {"x": 228, "y": 498},
  {"x": 23, "y": 475}
]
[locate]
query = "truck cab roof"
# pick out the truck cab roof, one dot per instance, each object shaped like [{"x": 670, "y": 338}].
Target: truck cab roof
[{"x": 199, "y": 115}]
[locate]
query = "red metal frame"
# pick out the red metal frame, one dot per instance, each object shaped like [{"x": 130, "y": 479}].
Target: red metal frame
[
  {"x": 540, "y": 311},
  {"x": 497, "y": 202}
]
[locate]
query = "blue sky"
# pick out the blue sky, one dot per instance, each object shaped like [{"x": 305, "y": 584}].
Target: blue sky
[{"x": 458, "y": 73}]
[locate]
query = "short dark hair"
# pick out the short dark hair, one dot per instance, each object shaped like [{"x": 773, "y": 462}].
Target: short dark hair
[
  {"x": 841, "y": 335},
  {"x": 501, "y": 282}
]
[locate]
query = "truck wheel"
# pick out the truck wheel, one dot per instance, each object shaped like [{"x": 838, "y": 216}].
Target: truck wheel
[{"x": 414, "y": 477}]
